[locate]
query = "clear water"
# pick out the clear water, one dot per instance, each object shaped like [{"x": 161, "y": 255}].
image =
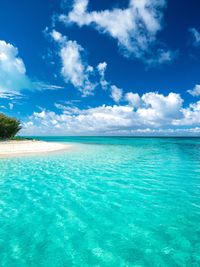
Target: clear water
[{"x": 107, "y": 202}]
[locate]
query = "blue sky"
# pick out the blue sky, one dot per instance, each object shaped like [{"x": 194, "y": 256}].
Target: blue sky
[{"x": 93, "y": 67}]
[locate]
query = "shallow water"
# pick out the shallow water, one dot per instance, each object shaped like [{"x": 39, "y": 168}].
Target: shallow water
[{"x": 108, "y": 202}]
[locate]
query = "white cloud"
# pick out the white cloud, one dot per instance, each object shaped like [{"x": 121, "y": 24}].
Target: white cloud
[
  {"x": 134, "y": 100},
  {"x": 154, "y": 108},
  {"x": 101, "y": 67},
  {"x": 162, "y": 56},
  {"x": 155, "y": 113},
  {"x": 57, "y": 36},
  {"x": 44, "y": 86},
  {"x": 13, "y": 76},
  {"x": 92, "y": 120},
  {"x": 72, "y": 65},
  {"x": 195, "y": 35},
  {"x": 195, "y": 91},
  {"x": 116, "y": 93},
  {"x": 74, "y": 68},
  {"x": 191, "y": 115},
  {"x": 159, "y": 109},
  {"x": 135, "y": 27}
]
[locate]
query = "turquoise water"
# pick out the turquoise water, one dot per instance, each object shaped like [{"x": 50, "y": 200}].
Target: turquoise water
[{"x": 107, "y": 202}]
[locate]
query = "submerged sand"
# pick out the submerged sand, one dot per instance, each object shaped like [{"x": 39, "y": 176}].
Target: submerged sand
[{"x": 14, "y": 148}]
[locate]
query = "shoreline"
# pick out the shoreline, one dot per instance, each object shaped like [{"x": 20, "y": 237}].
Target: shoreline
[{"x": 29, "y": 147}]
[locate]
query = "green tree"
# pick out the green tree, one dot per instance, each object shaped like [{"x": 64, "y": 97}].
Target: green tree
[{"x": 9, "y": 127}]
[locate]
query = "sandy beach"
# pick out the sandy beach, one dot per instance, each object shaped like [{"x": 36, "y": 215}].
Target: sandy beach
[{"x": 15, "y": 148}]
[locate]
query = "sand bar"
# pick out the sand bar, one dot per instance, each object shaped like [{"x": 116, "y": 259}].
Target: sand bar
[{"x": 15, "y": 148}]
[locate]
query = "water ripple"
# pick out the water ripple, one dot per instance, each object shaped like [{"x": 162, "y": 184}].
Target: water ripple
[{"x": 100, "y": 205}]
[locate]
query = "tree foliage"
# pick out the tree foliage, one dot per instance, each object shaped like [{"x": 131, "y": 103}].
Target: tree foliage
[{"x": 9, "y": 127}]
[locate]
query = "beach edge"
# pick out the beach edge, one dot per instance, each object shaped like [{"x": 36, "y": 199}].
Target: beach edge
[{"x": 30, "y": 147}]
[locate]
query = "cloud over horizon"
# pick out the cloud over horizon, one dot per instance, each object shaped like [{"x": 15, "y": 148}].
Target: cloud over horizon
[{"x": 152, "y": 112}]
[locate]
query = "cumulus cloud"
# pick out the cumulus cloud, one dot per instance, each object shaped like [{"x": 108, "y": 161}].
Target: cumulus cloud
[
  {"x": 116, "y": 93},
  {"x": 133, "y": 99},
  {"x": 159, "y": 108},
  {"x": 195, "y": 91},
  {"x": 13, "y": 76},
  {"x": 93, "y": 120},
  {"x": 191, "y": 115},
  {"x": 162, "y": 56},
  {"x": 195, "y": 36},
  {"x": 74, "y": 69},
  {"x": 155, "y": 113},
  {"x": 101, "y": 67},
  {"x": 135, "y": 28}
]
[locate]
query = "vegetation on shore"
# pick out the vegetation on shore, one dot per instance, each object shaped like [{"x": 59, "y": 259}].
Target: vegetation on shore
[{"x": 9, "y": 127}]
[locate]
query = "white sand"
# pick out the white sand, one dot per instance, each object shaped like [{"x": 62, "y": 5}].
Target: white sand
[{"x": 14, "y": 148}]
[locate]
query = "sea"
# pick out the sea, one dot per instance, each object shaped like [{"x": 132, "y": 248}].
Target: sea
[{"x": 107, "y": 201}]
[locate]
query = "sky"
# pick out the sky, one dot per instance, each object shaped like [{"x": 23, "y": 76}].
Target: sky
[{"x": 109, "y": 67}]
